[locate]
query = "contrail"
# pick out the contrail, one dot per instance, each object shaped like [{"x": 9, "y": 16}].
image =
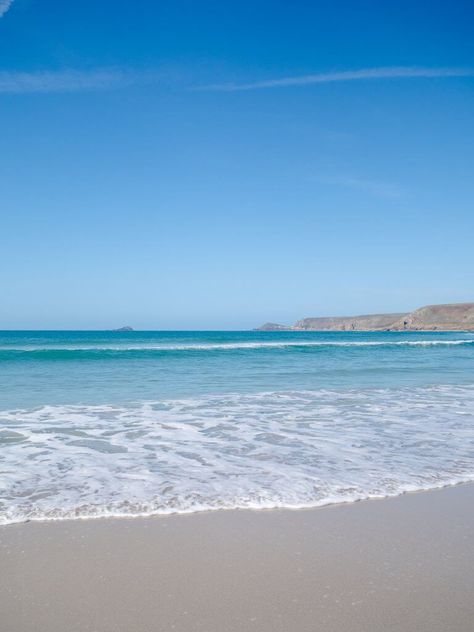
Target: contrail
[{"x": 391, "y": 72}]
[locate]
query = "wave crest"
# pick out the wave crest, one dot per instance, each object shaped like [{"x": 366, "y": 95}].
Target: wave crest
[{"x": 231, "y": 346}]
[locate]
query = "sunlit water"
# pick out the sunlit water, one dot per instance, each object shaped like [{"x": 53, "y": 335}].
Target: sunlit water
[{"x": 106, "y": 423}]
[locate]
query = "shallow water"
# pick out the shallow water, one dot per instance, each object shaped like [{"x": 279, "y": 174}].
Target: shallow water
[{"x": 108, "y": 423}]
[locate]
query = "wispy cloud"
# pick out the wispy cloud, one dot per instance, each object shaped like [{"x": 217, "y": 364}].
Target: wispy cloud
[
  {"x": 372, "y": 187},
  {"x": 72, "y": 80},
  {"x": 4, "y": 6},
  {"x": 391, "y": 72}
]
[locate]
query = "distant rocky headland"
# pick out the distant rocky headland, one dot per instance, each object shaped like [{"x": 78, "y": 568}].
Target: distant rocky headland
[
  {"x": 451, "y": 317},
  {"x": 274, "y": 327},
  {"x": 126, "y": 328}
]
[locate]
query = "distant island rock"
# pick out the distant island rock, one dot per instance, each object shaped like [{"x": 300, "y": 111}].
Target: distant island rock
[
  {"x": 273, "y": 327},
  {"x": 126, "y": 328},
  {"x": 450, "y": 317}
]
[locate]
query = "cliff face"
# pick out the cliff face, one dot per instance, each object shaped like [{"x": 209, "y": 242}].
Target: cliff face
[
  {"x": 438, "y": 317},
  {"x": 369, "y": 322},
  {"x": 455, "y": 316}
]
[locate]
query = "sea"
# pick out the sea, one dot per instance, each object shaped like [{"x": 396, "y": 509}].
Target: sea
[{"x": 98, "y": 424}]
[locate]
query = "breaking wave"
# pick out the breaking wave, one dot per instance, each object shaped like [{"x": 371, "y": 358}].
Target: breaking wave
[{"x": 231, "y": 346}]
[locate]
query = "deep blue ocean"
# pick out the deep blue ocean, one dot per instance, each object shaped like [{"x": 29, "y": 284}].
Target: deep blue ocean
[{"x": 137, "y": 423}]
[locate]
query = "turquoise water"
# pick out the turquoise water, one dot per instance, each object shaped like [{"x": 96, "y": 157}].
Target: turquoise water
[{"x": 114, "y": 423}]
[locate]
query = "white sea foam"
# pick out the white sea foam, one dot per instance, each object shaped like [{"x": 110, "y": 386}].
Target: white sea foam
[
  {"x": 280, "y": 449},
  {"x": 239, "y": 345}
]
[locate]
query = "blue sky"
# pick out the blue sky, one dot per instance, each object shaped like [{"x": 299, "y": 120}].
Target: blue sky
[{"x": 219, "y": 164}]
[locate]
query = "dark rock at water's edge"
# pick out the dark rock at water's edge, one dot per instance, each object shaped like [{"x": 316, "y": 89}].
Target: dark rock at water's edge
[
  {"x": 126, "y": 328},
  {"x": 450, "y": 317}
]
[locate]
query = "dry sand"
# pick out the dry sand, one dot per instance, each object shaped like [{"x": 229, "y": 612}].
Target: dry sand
[{"x": 403, "y": 564}]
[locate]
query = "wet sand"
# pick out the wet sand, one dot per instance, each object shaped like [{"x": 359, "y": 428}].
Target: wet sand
[{"x": 402, "y": 564}]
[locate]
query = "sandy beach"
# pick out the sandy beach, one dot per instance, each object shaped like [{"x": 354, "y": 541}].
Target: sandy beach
[{"x": 405, "y": 563}]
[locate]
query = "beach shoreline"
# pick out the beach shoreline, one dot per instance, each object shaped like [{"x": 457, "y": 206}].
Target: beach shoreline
[{"x": 400, "y": 563}]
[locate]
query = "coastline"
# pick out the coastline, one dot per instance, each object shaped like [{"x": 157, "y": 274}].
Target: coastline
[
  {"x": 468, "y": 330},
  {"x": 444, "y": 317},
  {"x": 402, "y": 563}
]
